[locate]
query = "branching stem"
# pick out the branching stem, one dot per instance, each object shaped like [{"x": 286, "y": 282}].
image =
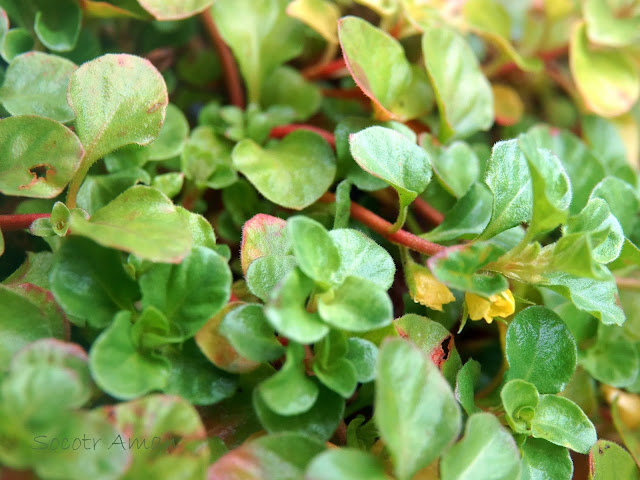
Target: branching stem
[{"x": 384, "y": 228}]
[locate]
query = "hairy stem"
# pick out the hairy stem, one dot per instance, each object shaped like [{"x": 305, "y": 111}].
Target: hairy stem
[
  {"x": 76, "y": 181},
  {"x": 19, "y": 222},
  {"x": 427, "y": 211},
  {"x": 384, "y": 228}
]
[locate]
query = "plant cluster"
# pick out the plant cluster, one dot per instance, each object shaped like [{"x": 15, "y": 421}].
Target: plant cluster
[{"x": 425, "y": 260}]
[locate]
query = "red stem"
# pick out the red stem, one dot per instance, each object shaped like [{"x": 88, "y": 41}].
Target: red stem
[
  {"x": 348, "y": 93},
  {"x": 19, "y": 222},
  {"x": 324, "y": 70},
  {"x": 284, "y": 130},
  {"x": 381, "y": 226},
  {"x": 231, "y": 74},
  {"x": 427, "y": 211}
]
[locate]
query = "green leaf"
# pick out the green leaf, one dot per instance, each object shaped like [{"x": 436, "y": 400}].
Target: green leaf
[
  {"x": 174, "y": 9},
  {"x": 542, "y": 459},
  {"x": 466, "y": 219},
  {"x": 605, "y": 142},
  {"x": 218, "y": 349},
  {"x": 551, "y": 188},
  {"x": 289, "y": 391},
  {"x": 603, "y": 228},
  {"x": 613, "y": 359},
  {"x": 150, "y": 330},
  {"x": 320, "y": 422},
  {"x": 321, "y": 15},
  {"x": 119, "y": 368},
  {"x": 608, "y": 461},
  {"x": 519, "y": 399},
  {"x": 106, "y": 121},
  {"x": 487, "y": 451},
  {"x": 36, "y": 83},
  {"x": 266, "y": 272},
  {"x": 4, "y": 21},
  {"x": 28, "y": 314},
  {"x": 193, "y": 378},
  {"x": 41, "y": 449},
  {"x": 339, "y": 375},
  {"x": 286, "y": 311},
  {"x": 562, "y": 422},
  {"x": 622, "y": 200},
  {"x": 466, "y": 380},
  {"x": 607, "y": 80},
  {"x": 346, "y": 164},
  {"x": 457, "y": 267},
  {"x": 247, "y": 330},
  {"x": 362, "y": 257},
  {"x": 509, "y": 180},
  {"x": 182, "y": 449},
  {"x": 379, "y": 67},
  {"x": 201, "y": 230},
  {"x": 294, "y": 173},
  {"x": 57, "y": 25},
  {"x": 346, "y": 464},
  {"x": 540, "y": 349},
  {"x": 15, "y": 42},
  {"x": 169, "y": 183},
  {"x": 605, "y": 26},
  {"x": 573, "y": 253},
  {"x": 48, "y": 354},
  {"x": 357, "y": 305},
  {"x": 282, "y": 456},
  {"x": 492, "y": 21},
  {"x": 265, "y": 39},
  {"x": 343, "y": 205},
  {"x": 315, "y": 252},
  {"x": 39, "y": 156},
  {"x": 172, "y": 137},
  {"x": 584, "y": 170},
  {"x": 427, "y": 334},
  {"x": 457, "y": 167},
  {"x": 391, "y": 156},
  {"x": 89, "y": 282},
  {"x": 206, "y": 158},
  {"x": 189, "y": 293},
  {"x": 98, "y": 190},
  {"x": 596, "y": 297},
  {"x": 34, "y": 270},
  {"x": 286, "y": 87},
  {"x": 463, "y": 94},
  {"x": 416, "y": 411},
  {"x": 263, "y": 235},
  {"x": 629, "y": 256},
  {"x": 142, "y": 221},
  {"x": 362, "y": 354}
]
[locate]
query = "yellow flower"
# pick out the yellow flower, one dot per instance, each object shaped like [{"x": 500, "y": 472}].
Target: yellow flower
[
  {"x": 499, "y": 305},
  {"x": 429, "y": 291}
]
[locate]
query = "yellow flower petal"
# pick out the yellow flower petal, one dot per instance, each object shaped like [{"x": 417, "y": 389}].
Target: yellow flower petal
[
  {"x": 478, "y": 307},
  {"x": 430, "y": 292},
  {"x": 500, "y": 305},
  {"x": 503, "y": 305}
]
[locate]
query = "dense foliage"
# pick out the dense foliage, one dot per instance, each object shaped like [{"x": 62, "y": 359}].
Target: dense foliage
[{"x": 425, "y": 260}]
